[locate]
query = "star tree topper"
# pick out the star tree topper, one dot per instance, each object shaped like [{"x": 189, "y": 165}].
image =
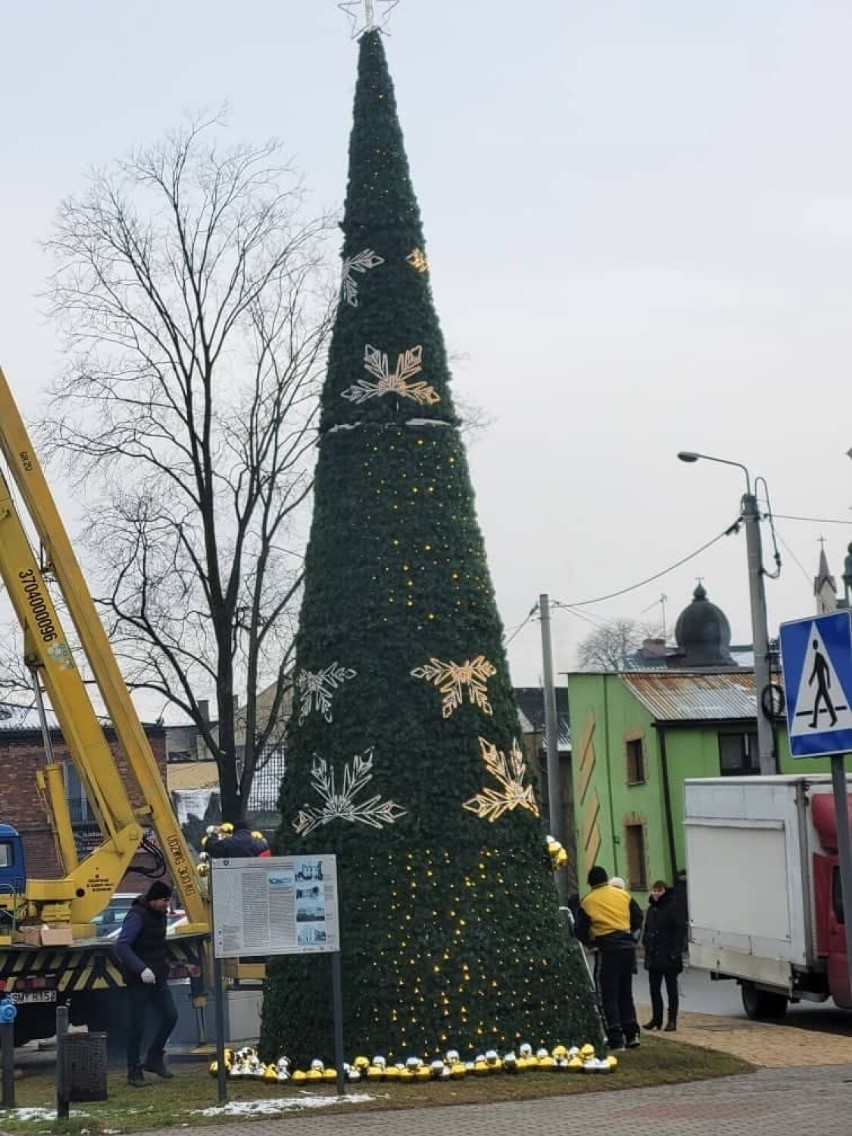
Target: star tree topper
[{"x": 350, "y": 7}]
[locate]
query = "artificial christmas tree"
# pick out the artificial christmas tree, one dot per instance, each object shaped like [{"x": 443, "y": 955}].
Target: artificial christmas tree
[{"x": 403, "y": 751}]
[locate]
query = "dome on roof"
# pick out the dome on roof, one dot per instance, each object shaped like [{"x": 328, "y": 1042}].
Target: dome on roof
[{"x": 703, "y": 634}]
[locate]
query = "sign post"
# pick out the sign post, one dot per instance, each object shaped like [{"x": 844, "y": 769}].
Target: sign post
[
  {"x": 219, "y": 1013},
  {"x": 275, "y": 905},
  {"x": 816, "y": 659}
]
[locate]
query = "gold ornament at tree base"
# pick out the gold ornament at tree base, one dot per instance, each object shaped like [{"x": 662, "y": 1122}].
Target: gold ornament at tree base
[{"x": 561, "y": 1059}]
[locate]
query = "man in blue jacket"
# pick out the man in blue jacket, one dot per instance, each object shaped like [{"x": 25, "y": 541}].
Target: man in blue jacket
[{"x": 142, "y": 951}]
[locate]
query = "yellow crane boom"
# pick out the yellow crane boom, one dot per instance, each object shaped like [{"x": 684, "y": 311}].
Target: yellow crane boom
[{"x": 86, "y": 885}]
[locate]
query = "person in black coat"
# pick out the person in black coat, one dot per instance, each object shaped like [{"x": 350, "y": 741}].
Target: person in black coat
[
  {"x": 142, "y": 950},
  {"x": 663, "y": 939},
  {"x": 237, "y": 843}
]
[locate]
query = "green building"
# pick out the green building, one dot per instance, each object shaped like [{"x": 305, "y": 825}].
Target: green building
[{"x": 639, "y": 733}]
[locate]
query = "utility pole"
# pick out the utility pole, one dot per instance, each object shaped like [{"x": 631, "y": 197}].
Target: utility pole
[
  {"x": 760, "y": 635},
  {"x": 757, "y": 597},
  {"x": 554, "y": 789}
]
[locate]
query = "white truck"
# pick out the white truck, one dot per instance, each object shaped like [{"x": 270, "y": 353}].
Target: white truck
[{"x": 763, "y": 884}]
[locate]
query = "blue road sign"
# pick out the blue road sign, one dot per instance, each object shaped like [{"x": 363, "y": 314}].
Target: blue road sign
[{"x": 816, "y": 658}]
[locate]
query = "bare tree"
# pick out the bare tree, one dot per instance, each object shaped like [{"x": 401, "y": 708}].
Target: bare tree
[
  {"x": 609, "y": 646},
  {"x": 15, "y": 680},
  {"x": 195, "y": 305}
]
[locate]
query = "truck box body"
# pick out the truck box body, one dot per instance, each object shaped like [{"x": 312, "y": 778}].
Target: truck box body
[{"x": 757, "y": 850}]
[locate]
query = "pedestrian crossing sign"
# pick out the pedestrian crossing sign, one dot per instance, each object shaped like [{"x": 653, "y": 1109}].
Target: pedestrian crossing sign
[{"x": 816, "y": 659}]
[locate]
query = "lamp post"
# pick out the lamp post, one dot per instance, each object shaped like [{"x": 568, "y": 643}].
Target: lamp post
[
  {"x": 847, "y": 577},
  {"x": 757, "y": 596}
]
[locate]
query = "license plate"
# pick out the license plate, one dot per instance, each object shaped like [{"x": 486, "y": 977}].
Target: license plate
[{"x": 29, "y": 996}]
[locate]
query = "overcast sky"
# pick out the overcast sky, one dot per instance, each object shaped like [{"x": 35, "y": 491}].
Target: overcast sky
[{"x": 639, "y": 222}]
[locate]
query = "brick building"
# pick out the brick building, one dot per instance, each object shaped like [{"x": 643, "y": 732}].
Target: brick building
[{"x": 21, "y": 755}]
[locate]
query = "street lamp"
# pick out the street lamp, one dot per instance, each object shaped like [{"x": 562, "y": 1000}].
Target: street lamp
[
  {"x": 757, "y": 596},
  {"x": 847, "y": 577}
]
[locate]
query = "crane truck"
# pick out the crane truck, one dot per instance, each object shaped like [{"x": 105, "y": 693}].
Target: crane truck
[{"x": 37, "y": 969}]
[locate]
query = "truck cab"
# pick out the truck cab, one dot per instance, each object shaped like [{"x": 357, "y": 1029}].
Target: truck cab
[
  {"x": 13, "y": 875},
  {"x": 829, "y": 923}
]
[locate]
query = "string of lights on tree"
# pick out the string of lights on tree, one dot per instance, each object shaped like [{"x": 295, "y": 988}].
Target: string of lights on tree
[{"x": 403, "y": 750}]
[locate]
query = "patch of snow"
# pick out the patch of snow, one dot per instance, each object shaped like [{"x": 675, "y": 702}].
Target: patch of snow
[
  {"x": 34, "y": 1113},
  {"x": 280, "y": 1104}
]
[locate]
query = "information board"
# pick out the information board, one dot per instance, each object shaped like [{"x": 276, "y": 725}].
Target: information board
[{"x": 275, "y": 905}]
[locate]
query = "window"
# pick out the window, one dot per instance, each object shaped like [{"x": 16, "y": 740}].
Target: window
[
  {"x": 6, "y": 856},
  {"x": 738, "y": 755},
  {"x": 78, "y": 805},
  {"x": 635, "y": 761},
  {"x": 636, "y": 870}
]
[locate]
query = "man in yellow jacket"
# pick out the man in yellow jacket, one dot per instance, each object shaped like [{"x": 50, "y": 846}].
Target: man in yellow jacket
[{"x": 610, "y": 921}]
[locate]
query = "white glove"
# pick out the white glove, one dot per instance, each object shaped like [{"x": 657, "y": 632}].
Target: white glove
[{"x": 148, "y": 976}]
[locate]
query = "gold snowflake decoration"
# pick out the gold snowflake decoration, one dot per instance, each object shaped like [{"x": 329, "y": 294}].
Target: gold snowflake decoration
[
  {"x": 408, "y": 364},
  {"x": 510, "y": 771},
  {"x": 418, "y": 260},
  {"x": 450, "y": 678},
  {"x": 374, "y": 812}
]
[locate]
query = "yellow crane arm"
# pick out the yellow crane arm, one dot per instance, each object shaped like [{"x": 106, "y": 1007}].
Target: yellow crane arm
[
  {"x": 82, "y": 892},
  {"x": 27, "y": 473}
]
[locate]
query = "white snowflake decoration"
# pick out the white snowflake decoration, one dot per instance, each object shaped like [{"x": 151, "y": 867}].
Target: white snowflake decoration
[
  {"x": 316, "y": 689},
  {"x": 342, "y": 806},
  {"x": 408, "y": 364},
  {"x": 451, "y": 677},
  {"x": 510, "y": 772},
  {"x": 362, "y": 262}
]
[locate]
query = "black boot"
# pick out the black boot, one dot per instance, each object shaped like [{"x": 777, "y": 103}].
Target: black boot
[
  {"x": 156, "y": 1064},
  {"x": 671, "y": 1025},
  {"x": 135, "y": 1078},
  {"x": 652, "y": 1025}
]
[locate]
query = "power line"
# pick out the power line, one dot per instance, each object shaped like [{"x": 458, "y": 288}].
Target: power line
[
  {"x": 593, "y": 621},
  {"x": 521, "y": 625},
  {"x": 802, "y": 568},
  {"x": 656, "y": 576},
  {"x": 813, "y": 520}
]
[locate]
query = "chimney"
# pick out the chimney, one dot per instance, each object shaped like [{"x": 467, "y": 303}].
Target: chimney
[
  {"x": 204, "y": 710},
  {"x": 654, "y": 648}
]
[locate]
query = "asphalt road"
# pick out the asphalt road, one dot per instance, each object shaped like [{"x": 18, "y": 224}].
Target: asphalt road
[{"x": 699, "y": 994}]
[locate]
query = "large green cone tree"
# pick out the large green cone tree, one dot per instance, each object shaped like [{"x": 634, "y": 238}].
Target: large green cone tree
[{"x": 404, "y": 751}]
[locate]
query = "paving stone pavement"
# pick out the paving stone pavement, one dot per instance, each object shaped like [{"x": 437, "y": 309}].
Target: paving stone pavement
[
  {"x": 814, "y": 1101},
  {"x": 779, "y": 1045}
]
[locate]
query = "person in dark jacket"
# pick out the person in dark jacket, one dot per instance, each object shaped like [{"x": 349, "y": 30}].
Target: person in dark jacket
[
  {"x": 607, "y": 921},
  {"x": 241, "y": 842},
  {"x": 142, "y": 951},
  {"x": 665, "y": 933}
]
